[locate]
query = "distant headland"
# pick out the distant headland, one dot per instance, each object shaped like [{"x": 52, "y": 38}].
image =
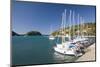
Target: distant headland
[{"x": 30, "y": 33}]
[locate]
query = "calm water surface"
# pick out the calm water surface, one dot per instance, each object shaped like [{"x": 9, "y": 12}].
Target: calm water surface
[{"x": 36, "y": 50}]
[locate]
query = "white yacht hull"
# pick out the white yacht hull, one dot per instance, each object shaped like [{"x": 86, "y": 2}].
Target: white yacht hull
[
  {"x": 51, "y": 38},
  {"x": 79, "y": 39},
  {"x": 66, "y": 51}
]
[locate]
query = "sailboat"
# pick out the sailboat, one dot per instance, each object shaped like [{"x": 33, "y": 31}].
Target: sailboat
[
  {"x": 64, "y": 47},
  {"x": 51, "y": 37},
  {"x": 80, "y": 37}
]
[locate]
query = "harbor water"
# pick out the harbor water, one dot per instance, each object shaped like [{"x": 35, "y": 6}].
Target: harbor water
[{"x": 36, "y": 50}]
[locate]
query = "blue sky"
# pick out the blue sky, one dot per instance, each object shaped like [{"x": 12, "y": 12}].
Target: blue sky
[{"x": 28, "y": 16}]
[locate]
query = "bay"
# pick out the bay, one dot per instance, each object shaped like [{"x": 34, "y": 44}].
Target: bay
[{"x": 36, "y": 50}]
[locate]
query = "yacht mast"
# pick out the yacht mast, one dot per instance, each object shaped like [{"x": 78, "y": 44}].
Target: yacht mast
[
  {"x": 62, "y": 32},
  {"x": 81, "y": 25},
  {"x": 65, "y": 23},
  {"x": 50, "y": 30},
  {"x": 73, "y": 23},
  {"x": 70, "y": 25},
  {"x": 78, "y": 24},
  {"x": 83, "y": 28}
]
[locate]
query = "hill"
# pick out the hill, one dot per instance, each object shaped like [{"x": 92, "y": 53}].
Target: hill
[{"x": 83, "y": 29}]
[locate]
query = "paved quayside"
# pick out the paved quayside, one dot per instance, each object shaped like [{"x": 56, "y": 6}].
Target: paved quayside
[{"x": 89, "y": 55}]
